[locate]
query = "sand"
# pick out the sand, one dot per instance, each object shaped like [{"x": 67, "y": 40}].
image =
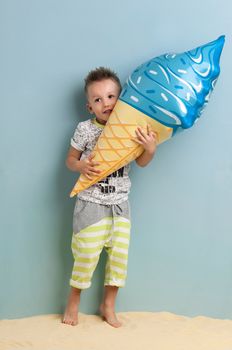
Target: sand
[{"x": 140, "y": 330}]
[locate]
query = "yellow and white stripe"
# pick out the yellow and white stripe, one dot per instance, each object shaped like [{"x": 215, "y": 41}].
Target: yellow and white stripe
[{"x": 111, "y": 233}]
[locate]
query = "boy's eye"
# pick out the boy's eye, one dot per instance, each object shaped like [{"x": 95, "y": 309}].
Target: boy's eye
[
  {"x": 110, "y": 96},
  {"x": 97, "y": 100}
]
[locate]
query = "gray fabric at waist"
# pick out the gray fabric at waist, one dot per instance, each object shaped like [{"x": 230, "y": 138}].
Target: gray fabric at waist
[{"x": 88, "y": 213}]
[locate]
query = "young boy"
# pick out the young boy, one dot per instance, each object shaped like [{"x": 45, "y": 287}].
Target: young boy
[{"x": 102, "y": 215}]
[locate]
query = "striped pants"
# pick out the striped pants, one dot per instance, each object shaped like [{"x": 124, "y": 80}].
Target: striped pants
[{"x": 111, "y": 232}]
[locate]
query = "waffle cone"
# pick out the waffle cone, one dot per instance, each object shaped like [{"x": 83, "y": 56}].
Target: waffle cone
[{"x": 115, "y": 147}]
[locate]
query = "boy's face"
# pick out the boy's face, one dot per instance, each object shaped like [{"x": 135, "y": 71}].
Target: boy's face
[{"x": 102, "y": 97}]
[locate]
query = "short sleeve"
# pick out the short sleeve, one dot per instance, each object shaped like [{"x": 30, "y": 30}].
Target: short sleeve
[{"x": 80, "y": 138}]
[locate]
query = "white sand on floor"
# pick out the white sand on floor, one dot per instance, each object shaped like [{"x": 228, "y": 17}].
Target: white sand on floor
[{"x": 140, "y": 330}]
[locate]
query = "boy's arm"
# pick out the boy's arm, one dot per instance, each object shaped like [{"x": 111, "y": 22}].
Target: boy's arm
[
  {"x": 85, "y": 166},
  {"x": 144, "y": 158},
  {"x": 72, "y": 159},
  {"x": 148, "y": 141}
]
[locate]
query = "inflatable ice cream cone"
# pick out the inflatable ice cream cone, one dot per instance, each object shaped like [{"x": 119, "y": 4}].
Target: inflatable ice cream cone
[
  {"x": 116, "y": 147},
  {"x": 168, "y": 93}
]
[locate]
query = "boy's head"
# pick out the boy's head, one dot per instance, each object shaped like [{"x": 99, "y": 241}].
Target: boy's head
[{"x": 102, "y": 87}]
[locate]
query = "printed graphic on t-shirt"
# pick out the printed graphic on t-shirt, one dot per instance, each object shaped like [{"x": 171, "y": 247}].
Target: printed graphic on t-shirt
[{"x": 105, "y": 183}]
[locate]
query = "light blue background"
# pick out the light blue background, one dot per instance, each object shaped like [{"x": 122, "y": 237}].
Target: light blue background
[{"x": 180, "y": 255}]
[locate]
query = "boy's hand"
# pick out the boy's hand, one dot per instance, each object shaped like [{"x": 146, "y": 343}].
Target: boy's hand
[
  {"x": 87, "y": 167},
  {"x": 147, "y": 140}
]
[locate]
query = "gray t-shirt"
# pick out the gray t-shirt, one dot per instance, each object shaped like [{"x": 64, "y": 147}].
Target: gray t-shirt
[{"x": 113, "y": 189}]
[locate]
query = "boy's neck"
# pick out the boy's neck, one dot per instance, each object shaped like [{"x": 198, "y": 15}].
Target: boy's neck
[{"x": 101, "y": 123}]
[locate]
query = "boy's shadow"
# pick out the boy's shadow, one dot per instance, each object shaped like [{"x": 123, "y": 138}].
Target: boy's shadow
[{"x": 65, "y": 181}]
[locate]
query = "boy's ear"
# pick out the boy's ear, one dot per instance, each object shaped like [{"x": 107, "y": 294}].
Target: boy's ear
[{"x": 89, "y": 108}]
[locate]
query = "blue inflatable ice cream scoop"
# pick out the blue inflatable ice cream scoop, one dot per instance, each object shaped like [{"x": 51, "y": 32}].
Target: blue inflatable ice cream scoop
[{"x": 174, "y": 88}]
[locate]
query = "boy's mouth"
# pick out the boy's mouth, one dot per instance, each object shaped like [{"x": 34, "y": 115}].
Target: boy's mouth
[{"x": 107, "y": 111}]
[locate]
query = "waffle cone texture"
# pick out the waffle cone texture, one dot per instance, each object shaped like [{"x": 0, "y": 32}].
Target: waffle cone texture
[{"x": 115, "y": 147}]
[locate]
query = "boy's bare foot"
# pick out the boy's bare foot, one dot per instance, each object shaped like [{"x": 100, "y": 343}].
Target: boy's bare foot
[
  {"x": 70, "y": 316},
  {"x": 71, "y": 312},
  {"x": 109, "y": 316}
]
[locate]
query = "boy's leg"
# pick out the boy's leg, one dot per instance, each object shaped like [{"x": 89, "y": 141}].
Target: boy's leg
[
  {"x": 87, "y": 245},
  {"x": 116, "y": 268},
  {"x": 117, "y": 250},
  {"x": 86, "y": 259},
  {"x": 108, "y": 306},
  {"x": 71, "y": 312}
]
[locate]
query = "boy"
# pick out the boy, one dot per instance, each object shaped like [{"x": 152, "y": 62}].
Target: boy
[{"x": 102, "y": 215}]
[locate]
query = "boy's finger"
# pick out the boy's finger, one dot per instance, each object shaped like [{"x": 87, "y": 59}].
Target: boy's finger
[
  {"x": 88, "y": 177},
  {"x": 140, "y": 129},
  {"x": 152, "y": 133},
  {"x": 91, "y": 156},
  {"x": 141, "y": 135},
  {"x": 94, "y": 171},
  {"x": 136, "y": 140},
  {"x": 95, "y": 164},
  {"x": 156, "y": 135},
  {"x": 148, "y": 129}
]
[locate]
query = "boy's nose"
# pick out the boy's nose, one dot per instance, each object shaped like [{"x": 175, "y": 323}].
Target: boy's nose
[{"x": 106, "y": 103}]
